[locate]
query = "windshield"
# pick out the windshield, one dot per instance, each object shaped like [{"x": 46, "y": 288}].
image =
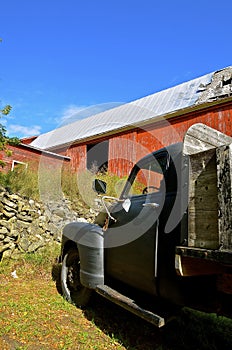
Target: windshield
[{"x": 147, "y": 176}]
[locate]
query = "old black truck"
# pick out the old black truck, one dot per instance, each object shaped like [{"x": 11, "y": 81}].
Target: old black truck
[{"x": 167, "y": 240}]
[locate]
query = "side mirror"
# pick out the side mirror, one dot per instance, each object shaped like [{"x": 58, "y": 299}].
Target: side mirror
[{"x": 99, "y": 186}]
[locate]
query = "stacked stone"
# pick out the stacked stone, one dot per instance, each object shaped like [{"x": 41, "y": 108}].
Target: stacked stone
[{"x": 27, "y": 225}]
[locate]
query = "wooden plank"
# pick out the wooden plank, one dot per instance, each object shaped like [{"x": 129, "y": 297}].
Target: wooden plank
[
  {"x": 198, "y": 267},
  {"x": 224, "y": 176},
  {"x": 200, "y": 203},
  {"x": 222, "y": 257},
  {"x": 193, "y": 145},
  {"x": 203, "y": 231},
  {"x": 130, "y": 305},
  {"x": 200, "y": 137},
  {"x": 203, "y": 201}
]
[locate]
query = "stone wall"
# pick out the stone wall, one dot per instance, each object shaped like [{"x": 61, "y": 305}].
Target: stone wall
[{"x": 27, "y": 225}]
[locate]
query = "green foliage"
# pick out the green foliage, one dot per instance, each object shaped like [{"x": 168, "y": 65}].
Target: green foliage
[
  {"x": 4, "y": 180},
  {"x": 6, "y": 110},
  {"x": 22, "y": 180},
  {"x": 30, "y": 183},
  {"x": 5, "y": 140},
  {"x": 77, "y": 188},
  {"x": 114, "y": 183},
  {"x": 44, "y": 257},
  {"x": 69, "y": 185},
  {"x": 198, "y": 330}
]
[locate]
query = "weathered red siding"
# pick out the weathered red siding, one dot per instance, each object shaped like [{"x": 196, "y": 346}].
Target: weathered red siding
[
  {"x": 122, "y": 153},
  {"x": 78, "y": 157},
  {"x": 32, "y": 157},
  {"x": 172, "y": 130},
  {"x": 125, "y": 148}
]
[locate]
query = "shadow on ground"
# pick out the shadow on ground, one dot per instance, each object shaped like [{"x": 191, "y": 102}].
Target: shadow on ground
[{"x": 189, "y": 330}]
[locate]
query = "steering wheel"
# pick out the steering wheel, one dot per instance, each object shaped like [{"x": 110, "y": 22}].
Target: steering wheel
[{"x": 145, "y": 190}]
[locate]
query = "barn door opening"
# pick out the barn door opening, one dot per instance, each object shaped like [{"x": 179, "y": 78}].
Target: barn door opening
[{"x": 97, "y": 156}]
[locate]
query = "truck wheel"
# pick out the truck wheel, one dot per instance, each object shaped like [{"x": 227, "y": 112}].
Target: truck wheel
[{"x": 71, "y": 286}]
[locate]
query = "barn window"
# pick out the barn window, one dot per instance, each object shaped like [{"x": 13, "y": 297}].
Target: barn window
[
  {"x": 16, "y": 163},
  {"x": 97, "y": 156}
]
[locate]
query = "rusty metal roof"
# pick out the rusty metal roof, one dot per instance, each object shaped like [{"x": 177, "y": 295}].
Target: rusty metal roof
[{"x": 147, "y": 109}]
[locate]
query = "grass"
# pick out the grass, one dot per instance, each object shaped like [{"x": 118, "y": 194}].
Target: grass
[{"x": 35, "y": 316}]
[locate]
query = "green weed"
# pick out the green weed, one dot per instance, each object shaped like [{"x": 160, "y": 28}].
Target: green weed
[{"x": 53, "y": 184}]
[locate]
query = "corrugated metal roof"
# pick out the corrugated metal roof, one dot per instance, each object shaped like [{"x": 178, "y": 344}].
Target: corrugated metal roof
[{"x": 144, "y": 109}]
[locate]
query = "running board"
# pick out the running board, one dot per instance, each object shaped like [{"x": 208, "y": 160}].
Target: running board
[{"x": 129, "y": 304}]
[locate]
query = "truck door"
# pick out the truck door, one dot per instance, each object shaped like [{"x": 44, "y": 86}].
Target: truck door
[{"x": 131, "y": 240}]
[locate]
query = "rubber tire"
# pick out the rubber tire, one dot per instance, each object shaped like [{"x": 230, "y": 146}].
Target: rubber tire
[{"x": 72, "y": 289}]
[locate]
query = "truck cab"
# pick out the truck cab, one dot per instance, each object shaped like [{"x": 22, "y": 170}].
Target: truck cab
[{"x": 138, "y": 248}]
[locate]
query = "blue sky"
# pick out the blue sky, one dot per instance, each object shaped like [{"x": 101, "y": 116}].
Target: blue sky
[{"x": 61, "y": 57}]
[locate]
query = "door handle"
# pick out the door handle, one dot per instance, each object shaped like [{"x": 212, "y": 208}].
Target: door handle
[{"x": 152, "y": 205}]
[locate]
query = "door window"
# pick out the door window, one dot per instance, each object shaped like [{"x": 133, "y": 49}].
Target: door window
[{"x": 148, "y": 176}]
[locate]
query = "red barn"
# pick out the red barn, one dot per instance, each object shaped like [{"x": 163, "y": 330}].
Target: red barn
[{"x": 116, "y": 138}]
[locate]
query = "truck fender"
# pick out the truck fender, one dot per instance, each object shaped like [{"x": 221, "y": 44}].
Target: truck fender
[{"x": 89, "y": 239}]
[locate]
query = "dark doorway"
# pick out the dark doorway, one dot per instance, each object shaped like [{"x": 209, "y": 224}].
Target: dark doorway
[{"x": 97, "y": 156}]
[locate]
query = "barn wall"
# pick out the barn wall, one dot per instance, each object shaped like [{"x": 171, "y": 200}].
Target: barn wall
[
  {"x": 122, "y": 153},
  {"x": 78, "y": 154},
  {"x": 127, "y": 147},
  {"x": 173, "y": 130},
  {"x": 31, "y": 157}
]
